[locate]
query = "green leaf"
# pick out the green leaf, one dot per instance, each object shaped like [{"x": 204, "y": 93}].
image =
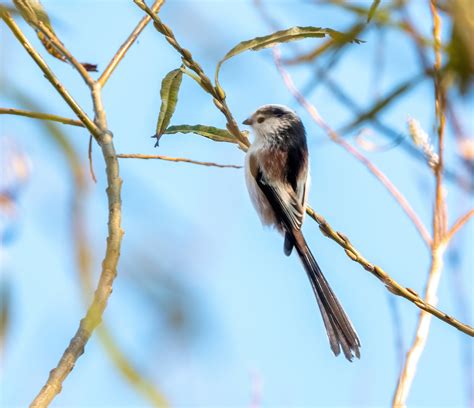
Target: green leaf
[
  {"x": 213, "y": 133},
  {"x": 169, "y": 97},
  {"x": 283, "y": 36}
]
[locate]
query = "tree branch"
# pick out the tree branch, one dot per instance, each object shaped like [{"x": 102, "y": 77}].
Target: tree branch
[
  {"x": 42, "y": 116},
  {"x": 458, "y": 224},
  {"x": 127, "y": 44},
  {"x": 176, "y": 159}
]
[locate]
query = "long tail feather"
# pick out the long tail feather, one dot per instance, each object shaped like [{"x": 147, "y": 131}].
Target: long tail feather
[
  {"x": 339, "y": 328},
  {"x": 289, "y": 243}
]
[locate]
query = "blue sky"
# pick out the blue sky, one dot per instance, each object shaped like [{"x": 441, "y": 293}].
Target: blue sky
[{"x": 253, "y": 311}]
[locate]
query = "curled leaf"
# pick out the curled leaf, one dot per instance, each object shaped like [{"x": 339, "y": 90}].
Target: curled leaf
[
  {"x": 211, "y": 132},
  {"x": 283, "y": 36},
  {"x": 169, "y": 97},
  {"x": 35, "y": 15}
]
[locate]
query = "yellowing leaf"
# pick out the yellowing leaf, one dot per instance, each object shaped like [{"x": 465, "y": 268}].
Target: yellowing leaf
[{"x": 169, "y": 97}]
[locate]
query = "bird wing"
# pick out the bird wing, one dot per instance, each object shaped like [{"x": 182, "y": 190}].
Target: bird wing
[{"x": 284, "y": 201}]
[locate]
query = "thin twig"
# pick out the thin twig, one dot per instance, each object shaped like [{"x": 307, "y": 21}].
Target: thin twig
[
  {"x": 128, "y": 43},
  {"x": 440, "y": 219},
  {"x": 176, "y": 159},
  {"x": 392, "y": 285},
  {"x": 439, "y": 232},
  {"x": 88, "y": 123},
  {"x": 42, "y": 116},
  {"x": 91, "y": 163},
  {"x": 458, "y": 224},
  {"x": 311, "y": 109}
]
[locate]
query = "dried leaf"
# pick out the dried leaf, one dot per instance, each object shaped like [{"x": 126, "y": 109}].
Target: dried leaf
[
  {"x": 169, "y": 97},
  {"x": 213, "y": 133}
]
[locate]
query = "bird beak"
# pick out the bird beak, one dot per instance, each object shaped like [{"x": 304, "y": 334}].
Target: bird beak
[{"x": 247, "y": 121}]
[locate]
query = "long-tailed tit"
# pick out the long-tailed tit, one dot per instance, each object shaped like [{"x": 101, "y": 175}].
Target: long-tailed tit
[{"x": 277, "y": 178}]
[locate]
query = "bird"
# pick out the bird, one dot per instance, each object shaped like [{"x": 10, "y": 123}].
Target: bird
[{"x": 277, "y": 178}]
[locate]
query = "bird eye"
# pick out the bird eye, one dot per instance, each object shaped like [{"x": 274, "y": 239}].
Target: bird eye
[{"x": 260, "y": 119}]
